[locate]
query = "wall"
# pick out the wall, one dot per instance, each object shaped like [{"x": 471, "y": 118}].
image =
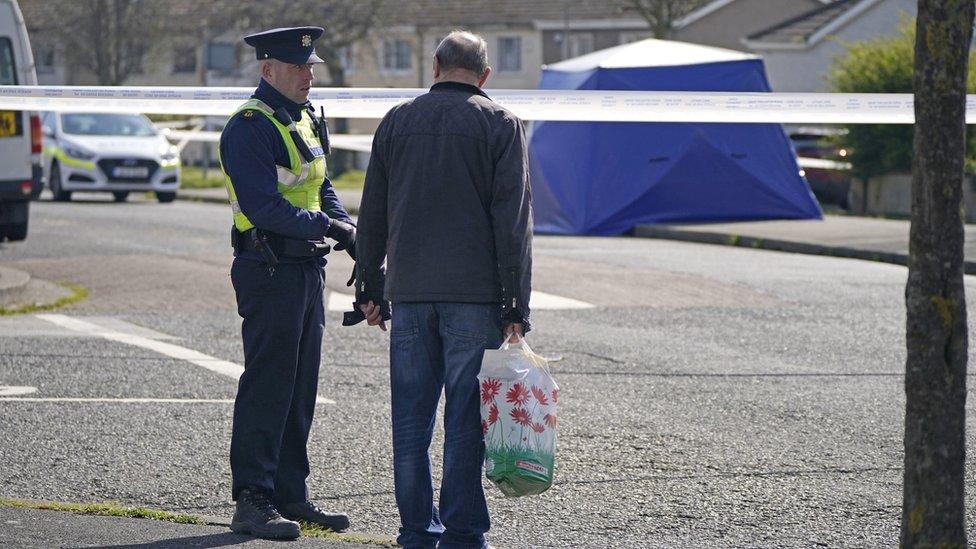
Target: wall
[
  {"x": 891, "y": 195},
  {"x": 725, "y": 27},
  {"x": 807, "y": 70}
]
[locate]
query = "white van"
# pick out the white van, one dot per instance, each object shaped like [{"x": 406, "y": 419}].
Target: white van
[{"x": 20, "y": 132}]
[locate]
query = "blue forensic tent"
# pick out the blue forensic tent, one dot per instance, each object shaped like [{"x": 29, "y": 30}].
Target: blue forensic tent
[{"x": 603, "y": 178}]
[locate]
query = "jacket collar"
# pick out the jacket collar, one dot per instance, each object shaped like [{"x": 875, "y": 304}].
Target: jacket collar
[
  {"x": 274, "y": 99},
  {"x": 458, "y": 86}
]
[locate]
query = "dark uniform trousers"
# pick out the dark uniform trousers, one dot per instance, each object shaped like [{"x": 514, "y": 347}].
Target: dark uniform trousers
[{"x": 284, "y": 318}]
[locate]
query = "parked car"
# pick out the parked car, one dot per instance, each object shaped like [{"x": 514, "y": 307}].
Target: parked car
[
  {"x": 823, "y": 163},
  {"x": 20, "y": 132},
  {"x": 110, "y": 152}
]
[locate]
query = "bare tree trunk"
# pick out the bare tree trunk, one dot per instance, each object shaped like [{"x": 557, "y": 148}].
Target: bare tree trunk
[{"x": 933, "y": 508}]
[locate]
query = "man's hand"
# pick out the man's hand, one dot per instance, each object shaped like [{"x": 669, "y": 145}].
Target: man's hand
[
  {"x": 513, "y": 328},
  {"x": 372, "y": 314},
  {"x": 345, "y": 236}
]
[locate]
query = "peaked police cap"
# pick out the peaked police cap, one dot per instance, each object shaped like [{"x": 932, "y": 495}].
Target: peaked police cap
[{"x": 291, "y": 45}]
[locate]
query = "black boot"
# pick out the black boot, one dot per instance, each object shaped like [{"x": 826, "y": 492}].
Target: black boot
[
  {"x": 257, "y": 516},
  {"x": 308, "y": 512}
]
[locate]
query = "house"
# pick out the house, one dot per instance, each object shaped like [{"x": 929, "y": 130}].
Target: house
[
  {"x": 799, "y": 51},
  {"x": 522, "y": 37},
  {"x": 723, "y": 23}
]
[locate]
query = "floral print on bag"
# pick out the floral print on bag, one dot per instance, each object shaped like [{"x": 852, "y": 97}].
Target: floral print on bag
[{"x": 518, "y": 412}]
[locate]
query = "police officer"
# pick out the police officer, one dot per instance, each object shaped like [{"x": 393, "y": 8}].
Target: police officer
[{"x": 272, "y": 151}]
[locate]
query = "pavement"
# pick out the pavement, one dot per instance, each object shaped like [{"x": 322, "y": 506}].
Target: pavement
[
  {"x": 700, "y": 357},
  {"x": 350, "y": 197},
  {"x": 64, "y": 529},
  {"x": 867, "y": 238}
]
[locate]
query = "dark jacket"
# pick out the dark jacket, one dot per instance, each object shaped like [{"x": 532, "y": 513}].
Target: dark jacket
[
  {"x": 250, "y": 147},
  {"x": 447, "y": 203}
]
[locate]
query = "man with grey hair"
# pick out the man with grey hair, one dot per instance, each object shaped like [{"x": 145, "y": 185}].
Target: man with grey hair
[{"x": 447, "y": 204}]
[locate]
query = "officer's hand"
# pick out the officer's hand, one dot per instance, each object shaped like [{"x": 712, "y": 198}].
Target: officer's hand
[
  {"x": 373, "y": 316},
  {"x": 513, "y": 331},
  {"x": 345, "y": 236}
]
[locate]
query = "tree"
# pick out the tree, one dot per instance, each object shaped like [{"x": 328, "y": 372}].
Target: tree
[
  {"x": 348, "y": 22},
  {"x": 661, "y": 14},
  {"x": 933, "y": 507},
  {"x": 883, "y": 65},
  {"x": 110, "y": 38}
]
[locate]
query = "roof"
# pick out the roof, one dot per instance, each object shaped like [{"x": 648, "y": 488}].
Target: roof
[
  {"x": 810, "y": 27},
  {"x": 454, "y": 13},
  {"x": 709, "y": 8},
  {"x": 460, "y": 13},
  {"x": 650, "y": 53}
]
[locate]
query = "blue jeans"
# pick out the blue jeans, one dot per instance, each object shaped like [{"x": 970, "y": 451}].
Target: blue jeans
[{"x": 436, "y": 346}]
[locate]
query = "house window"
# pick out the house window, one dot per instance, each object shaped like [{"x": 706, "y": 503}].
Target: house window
[
  {"x": 579, "y": 44},
  {"x": 510, "y": 54},
  {"x": 184, "y": 59},
  {"x": 44, "y": 59},
  {"x": 396, "y": 56},
  {"x": 221, "y": 56}
]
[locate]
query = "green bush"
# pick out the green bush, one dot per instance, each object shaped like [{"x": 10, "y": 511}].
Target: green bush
[
  {"x": 884, "y": 65},
  {"x": 349, "y": 179},
  {"x": 192, "y": 177}
]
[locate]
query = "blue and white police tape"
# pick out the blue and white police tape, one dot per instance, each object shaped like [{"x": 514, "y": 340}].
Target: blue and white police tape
[{"x": 564, "y": 105}]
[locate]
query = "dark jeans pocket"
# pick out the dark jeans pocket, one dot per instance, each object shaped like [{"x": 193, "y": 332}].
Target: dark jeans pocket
[
  {"x": 402, "y": 339},
  {"x": 467, "y": 339}
]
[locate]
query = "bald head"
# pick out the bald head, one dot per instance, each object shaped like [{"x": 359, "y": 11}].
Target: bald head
[{"x": 462, "y": 51}]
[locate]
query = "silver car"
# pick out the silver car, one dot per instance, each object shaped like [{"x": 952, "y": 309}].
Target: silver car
[{"x": 110, "y": 152}]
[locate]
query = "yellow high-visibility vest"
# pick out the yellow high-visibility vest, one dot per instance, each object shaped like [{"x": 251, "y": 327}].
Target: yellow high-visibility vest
[{"x": 299, "y": 182}]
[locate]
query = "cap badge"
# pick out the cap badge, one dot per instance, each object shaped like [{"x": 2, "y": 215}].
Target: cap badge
[{"x": 306, "y": 40}]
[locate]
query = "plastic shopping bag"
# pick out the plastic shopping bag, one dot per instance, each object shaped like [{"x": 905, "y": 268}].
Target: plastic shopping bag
[{"x": 518, "y": 419}]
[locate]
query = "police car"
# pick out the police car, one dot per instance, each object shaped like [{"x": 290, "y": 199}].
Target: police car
[{"x": 108, "y": 152}]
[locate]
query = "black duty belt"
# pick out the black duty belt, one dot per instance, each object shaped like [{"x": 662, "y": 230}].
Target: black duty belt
[{"x": 281, "y": 246}]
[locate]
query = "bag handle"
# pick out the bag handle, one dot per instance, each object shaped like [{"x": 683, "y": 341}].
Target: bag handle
[
  {"x": 514, "y": 340},
  {"x": 519, "y": 342}
]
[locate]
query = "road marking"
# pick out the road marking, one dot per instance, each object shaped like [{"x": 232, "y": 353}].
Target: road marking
[
  {"x": 542, "y": 300},
  {"x": 208, "y": 362},
  {"x": 14, "y": 390},
  {"x": 339, "y": 301},
  {"x": 122, "y": 400}
]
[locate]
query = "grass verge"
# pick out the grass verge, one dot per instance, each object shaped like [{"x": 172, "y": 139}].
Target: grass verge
[
  {"x": 111, "y": 509},
  {"x": 313, "y": 531},
  {"x": 107, "y": 509},
  {"x": 349, "y": 179},
  {"x": 78, "y": 293},
  {"x": 192, "y": 177}
]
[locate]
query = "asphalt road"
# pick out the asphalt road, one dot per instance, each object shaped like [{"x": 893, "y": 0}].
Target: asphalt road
[{"x": 712, "y": 397}]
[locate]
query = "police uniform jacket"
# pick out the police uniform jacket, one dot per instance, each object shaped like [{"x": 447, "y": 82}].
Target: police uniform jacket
[{"x": 250, "y": 148}]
